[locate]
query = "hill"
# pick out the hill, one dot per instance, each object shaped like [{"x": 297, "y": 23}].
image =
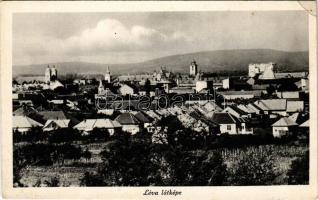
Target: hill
[{"x": 208, "y": 61}]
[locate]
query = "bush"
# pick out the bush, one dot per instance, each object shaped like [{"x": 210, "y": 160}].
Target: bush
[{"x": 299, "y": 171}]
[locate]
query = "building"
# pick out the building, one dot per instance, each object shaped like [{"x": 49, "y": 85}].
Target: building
[
  {"x": 129, "y": 123},
  {"x": 55, "y": 124},
  {"x": 295, "y": 106},
  {"x": 23, "y": 123},
  {"x": 226, "y": 122},
  {"x": 226, "y": 83},
  {"x": 107, "y": 75},
  {"x": 233, "y": 110},
  {"x": 126, "y": 90},
  {"x": 193, "y": 68},
  {"x": 232, "y": 95},
  {"x": 262, "y": 70},
  {"x": 303, "y": 84},
  {"x": 50, "y": 74},
  {"x": 54, "y": 115},
  {"x": 283, "y": 126},
  {"x": 231, "y": 124},
  {"x": 200, "y": 85},
  {"x": 288, "y": 94},
  {"x": 88, "y": 125},
  {"x": 272, "y": 106}
]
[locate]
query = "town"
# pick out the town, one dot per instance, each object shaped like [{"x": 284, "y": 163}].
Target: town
[
  {"x": 160, "y": 106},
  {"x": 232, "y": 105}
]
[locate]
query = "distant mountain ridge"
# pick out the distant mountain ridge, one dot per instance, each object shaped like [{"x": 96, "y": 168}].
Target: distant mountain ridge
[{"x": 208, "y": 61}]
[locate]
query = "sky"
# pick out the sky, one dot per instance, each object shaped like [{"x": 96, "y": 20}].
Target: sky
[{"x": 112, "y": 38}]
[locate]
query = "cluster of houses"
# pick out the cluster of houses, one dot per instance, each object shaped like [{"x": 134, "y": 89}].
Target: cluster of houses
[{"x": 239, "y": 104}]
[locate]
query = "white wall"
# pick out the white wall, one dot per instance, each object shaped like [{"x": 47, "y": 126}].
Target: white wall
[
  {"x": 279, "y": 131},
  {"x": 133, "y": 129},
  {"x": 223, "y": 128}
]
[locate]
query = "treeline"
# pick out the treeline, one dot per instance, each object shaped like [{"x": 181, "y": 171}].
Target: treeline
[{"x": 136, "y": 164}]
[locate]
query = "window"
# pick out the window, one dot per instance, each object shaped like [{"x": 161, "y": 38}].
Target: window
[{"x": 228, "y": 127}]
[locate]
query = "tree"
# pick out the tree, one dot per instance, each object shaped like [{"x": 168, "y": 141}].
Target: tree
[
  {"x": 53, "y": 182},
  {"x": 147, "y": 87},
  {"x": 87, "y": 154},
  {"x": 299, "y": 170},
  {"x": 90, "y": 179},
  {"x": 253, "y": 170},
  {"x": 198, "y": 168},
  {"x": 270, "y": 90}
]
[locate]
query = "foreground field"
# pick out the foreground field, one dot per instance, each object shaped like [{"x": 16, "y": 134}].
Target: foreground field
[{"x": 71, "y": 171}]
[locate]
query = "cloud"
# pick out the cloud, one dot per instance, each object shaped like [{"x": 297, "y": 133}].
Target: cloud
[
  {"x": 109, "y": 35},
  {"x": 112, "y": 35}
]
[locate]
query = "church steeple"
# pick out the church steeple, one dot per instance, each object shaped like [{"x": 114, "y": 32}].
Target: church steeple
[
  {"x": 107, "y": 75},
  {"x": 193, "y": 68},
  {"x": 100, "y": 87}
]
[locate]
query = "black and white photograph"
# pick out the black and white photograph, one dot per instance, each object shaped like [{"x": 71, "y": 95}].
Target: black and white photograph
[{"x": 160, "y": 98}]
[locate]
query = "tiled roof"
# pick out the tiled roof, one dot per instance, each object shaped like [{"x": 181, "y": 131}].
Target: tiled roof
[
  {"x": 305, "y": 124},
  {"x": 245, "y": 108},
  {"x": 24, "y": 110},
  {"x": 46, "y": 115},
  {"x": 294, "y": 106},
  {"x": 211, "y": 106},
  {"x": 142, "y": 117},
  {"x": 127, "y": 119},
  {"x": 271, "y": 104},
  {"x": 24, "y": 122},
  {"x": 90, "y": 124},
  {"x": 237, "y": 110},
  {"x": 223, "y": 118},
  {"x": 62, "y": 123},
  {"x": 285, "y": 121}
]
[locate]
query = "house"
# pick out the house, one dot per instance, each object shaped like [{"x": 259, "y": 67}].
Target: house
[
  {"x": 249, "y": 110},
  {"x": 126, "y": 90},
  {"x": 88, "y": 125},
  {"x": 233, "y": 110},
  {"x": 24, "y": 124},
  {"x": 145, "y": 119},
  {"x": 295, "y": 106},
  {"x": 288, "y": 94},
  {"x": 303, "y": 84},
  {"x": 230, "y": 124},
  {"x": 182, "y": 90},
  {"x": 24, "y": 111},
  {"x": 272, "y": 106},
  {"x": 46, "y": 115},
  {"x": 55, "y": 124},
  {"x": 304, "y": 127},
  {"x": 53, "y": 85},
  {"x": 212, "y": 106},
  {"x": 298, "y": 118},
  {"x": 263, "y": 70},
  {"x": 129, "y": 122},
  {"x": 283, "y": 127},
  {"x": 231, "y": 95},
  {"x": 305, "y": 124}
]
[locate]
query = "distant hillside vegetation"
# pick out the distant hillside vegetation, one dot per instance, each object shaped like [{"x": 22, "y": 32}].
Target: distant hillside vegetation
[{"x": 208, "y": 61}]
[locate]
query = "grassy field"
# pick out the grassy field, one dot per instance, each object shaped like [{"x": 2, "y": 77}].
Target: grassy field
[{"x": 70, "y": 173}]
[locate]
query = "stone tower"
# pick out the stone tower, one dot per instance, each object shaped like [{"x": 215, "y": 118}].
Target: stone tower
[
  {"x": 100, "y": 87},
  {"x": 48, "y": 73},
  {"x": 53, "y": 73},
  {"x": 193, "y": 68}
]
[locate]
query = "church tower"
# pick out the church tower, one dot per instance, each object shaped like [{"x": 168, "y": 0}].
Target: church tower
[
  {"x": 193, "y": 68},
  {"x": 100, "y": 87},
  {"x": 107, "y": 75},
  {"x": 53, "y": 73},
  {"x": 47, "y": 78}
]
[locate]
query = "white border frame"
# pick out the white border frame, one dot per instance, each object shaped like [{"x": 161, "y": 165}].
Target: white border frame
[{"x": 229, "y": 192}]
